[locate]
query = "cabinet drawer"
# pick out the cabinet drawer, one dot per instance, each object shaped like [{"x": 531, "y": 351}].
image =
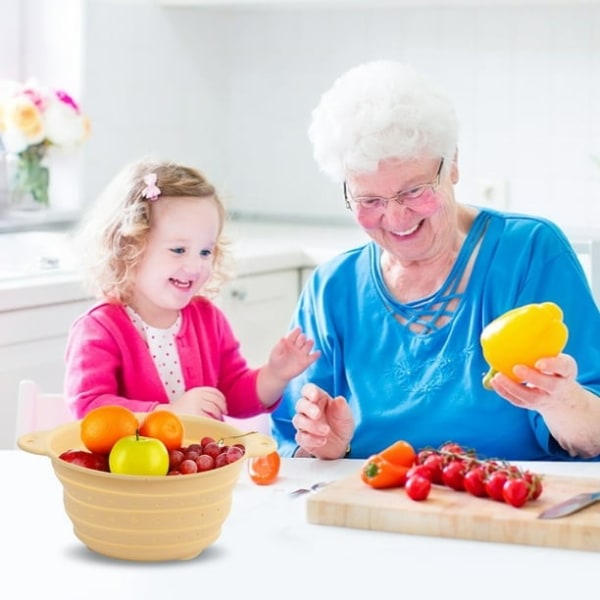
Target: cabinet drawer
[
  {"x": 259, "y": 309},
  {"x": 41, "y": 322},
  {"x": 257, "y": 289}
]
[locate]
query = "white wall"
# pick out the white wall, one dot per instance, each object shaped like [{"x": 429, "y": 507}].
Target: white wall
[
  {"x": 53, "y": 53},
  {"x": 231, "y": 91},
  {"x": 156, "y": 82},
  {"x": 10, "y": 32}
]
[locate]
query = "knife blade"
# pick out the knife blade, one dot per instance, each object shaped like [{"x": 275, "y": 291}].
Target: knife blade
[{"x": 570, "y": 506}]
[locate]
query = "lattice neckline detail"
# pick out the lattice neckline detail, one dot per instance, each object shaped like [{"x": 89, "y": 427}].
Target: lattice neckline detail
[{"x": 428, "y": 315}]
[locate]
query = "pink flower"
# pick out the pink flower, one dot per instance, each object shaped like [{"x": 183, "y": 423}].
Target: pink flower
[
  {"x": 66, "y": 99},
  {"x": 35, "y": 97},
  {"x": 32, "y": 114}
]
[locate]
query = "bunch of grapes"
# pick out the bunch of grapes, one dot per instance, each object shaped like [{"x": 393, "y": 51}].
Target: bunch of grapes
[{"x": 205, "y": 455}]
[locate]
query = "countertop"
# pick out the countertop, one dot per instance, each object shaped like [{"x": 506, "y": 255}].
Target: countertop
[
  {"x": 268, "y": 550},
  {"x": 39, "y": 267}
]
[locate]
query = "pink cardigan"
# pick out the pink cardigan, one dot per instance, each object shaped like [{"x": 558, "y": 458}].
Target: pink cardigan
[{"x": 108, "y": 362}]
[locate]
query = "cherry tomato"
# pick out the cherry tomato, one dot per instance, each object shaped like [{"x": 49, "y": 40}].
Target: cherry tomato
[
  {"x": 423, "y": 454},
  {"x": 453, "y": 475},
  {"x": 474, "y": 481},
  {"x": 435, "y": 463},
  {"x": 515, "y": 491},
  {"x": 422, "y": 470},
  {"x": 494, "y": 485},
  {"x": 452, "y": 448},
  {"x": 535, "y": 484},
  {"x": 417, "y": 487},
  {"x": 264, "y": 470},
  {"x": 491, "y": 466}
]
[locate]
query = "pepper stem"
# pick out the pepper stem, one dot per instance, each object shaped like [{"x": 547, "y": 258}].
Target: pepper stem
[{"x": 488, "y": 377}]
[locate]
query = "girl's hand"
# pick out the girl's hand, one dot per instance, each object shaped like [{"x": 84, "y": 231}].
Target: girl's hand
[
  {"x": 324, "y": 424},
  {"x": 202, "y": 401},
  {"x": 292, "y": 355}
]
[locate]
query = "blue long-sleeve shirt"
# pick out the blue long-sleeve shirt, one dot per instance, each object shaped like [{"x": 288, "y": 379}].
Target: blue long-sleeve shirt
[{"x": 427, "y": 388}]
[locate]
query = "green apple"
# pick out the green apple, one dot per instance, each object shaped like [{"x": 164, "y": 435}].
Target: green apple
[{"x": 139, "y": 455}]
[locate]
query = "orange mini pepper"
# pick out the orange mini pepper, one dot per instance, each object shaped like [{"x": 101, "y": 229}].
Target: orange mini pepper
[
  {"x": 400, "y": 453},
  {"x": 380, "y": 473}
]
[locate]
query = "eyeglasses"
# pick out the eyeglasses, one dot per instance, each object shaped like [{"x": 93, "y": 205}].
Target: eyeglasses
[{"x": 413, "y": 197}]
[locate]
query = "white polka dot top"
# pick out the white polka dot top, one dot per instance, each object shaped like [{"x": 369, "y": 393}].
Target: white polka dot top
[{"x": 162, "y": 348}]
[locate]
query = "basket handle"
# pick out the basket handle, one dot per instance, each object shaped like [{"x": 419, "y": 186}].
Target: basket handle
[
  {"x": 35, "y": 443},
  {"x": 255, "y": 443}
]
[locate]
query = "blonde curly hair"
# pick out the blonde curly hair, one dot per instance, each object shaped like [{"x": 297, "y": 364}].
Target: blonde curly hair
[{"x": 112, "y": 237}]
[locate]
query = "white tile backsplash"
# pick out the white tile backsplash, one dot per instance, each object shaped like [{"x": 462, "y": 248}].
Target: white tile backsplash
[{"x": 231, "y": 91}]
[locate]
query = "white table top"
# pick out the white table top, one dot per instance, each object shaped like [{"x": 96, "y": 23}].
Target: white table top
[{"x": 267, "y": 549}]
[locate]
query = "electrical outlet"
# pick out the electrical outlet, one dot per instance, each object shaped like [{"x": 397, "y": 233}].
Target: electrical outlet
[{"x": 493, "y": 193}]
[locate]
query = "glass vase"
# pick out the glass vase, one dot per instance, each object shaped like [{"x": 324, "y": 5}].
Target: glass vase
[{"x": 29, "y": 179}]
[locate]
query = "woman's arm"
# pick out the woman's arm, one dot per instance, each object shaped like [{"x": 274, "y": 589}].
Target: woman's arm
[{"x": 571, "y": 413}]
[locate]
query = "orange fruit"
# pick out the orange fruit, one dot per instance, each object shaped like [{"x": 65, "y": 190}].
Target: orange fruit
[
  {"x": 165, "y": 426},
  {"x": 264, "y": 470},
  {"x": 102, "y": 427}
]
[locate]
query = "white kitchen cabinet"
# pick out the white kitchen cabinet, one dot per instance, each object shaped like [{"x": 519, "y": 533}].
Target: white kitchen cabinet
[
  {"x": 32, "y": 346},
  {"x": 305, "y": 274},
  {"x": 259, "y": 308}
]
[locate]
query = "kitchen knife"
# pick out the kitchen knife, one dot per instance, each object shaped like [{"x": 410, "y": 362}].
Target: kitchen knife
[{"x": 570, "y": 506}]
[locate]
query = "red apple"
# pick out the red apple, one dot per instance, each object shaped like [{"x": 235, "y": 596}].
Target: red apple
[{"x": 84, "y": 458}]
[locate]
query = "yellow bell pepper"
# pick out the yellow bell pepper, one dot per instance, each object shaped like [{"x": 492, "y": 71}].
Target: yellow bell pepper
[{"x": 521, "y": 336}]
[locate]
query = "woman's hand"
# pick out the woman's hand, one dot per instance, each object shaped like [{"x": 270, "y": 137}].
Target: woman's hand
[
  {"x": 552, "y": 382},
  {"x": 202, "y": 401},
  {"x": 571, "y": 412},
  {"x": 324, "y": 424}
]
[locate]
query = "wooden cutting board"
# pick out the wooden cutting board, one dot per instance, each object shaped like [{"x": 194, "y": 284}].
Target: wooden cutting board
[{"x": 447, "y": 513}]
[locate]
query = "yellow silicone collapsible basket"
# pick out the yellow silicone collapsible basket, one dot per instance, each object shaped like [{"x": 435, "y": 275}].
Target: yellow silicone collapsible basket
[{"x": 147, "y": 518}]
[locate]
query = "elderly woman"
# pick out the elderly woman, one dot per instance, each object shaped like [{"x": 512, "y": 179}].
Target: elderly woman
[{"x": 398, "y": 320}]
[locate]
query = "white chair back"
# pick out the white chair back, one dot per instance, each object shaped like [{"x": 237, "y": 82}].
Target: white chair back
[{"x": 37, "y": 411}]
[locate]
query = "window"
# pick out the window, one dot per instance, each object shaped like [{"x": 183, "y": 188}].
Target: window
[
  {"x": 11, "y": 56},
  {"x": 41, "y": 40}
]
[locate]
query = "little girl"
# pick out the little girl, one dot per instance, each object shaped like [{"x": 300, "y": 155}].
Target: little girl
[{"x": 153, "y": 251}]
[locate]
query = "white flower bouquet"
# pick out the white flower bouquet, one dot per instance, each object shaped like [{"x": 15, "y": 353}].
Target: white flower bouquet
[{"x": 34, "y": 118}]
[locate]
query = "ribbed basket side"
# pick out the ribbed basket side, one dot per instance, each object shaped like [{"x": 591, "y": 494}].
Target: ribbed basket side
[
  {"x": 163, "y": 552},
  {"x": 161, "y": 522}
]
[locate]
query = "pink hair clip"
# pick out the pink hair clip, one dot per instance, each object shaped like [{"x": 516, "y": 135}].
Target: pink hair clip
[{"x": 151, "y": 191}]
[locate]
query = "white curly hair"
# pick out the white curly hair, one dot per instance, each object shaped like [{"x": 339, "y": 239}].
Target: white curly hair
[{"x": 380, "y": 110}]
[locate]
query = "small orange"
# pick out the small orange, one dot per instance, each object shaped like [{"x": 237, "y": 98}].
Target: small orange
[
  {"x": 102, "y": 427},
  {"x": 264, "y": 470},
  {"x": 165, "y": 426}
]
